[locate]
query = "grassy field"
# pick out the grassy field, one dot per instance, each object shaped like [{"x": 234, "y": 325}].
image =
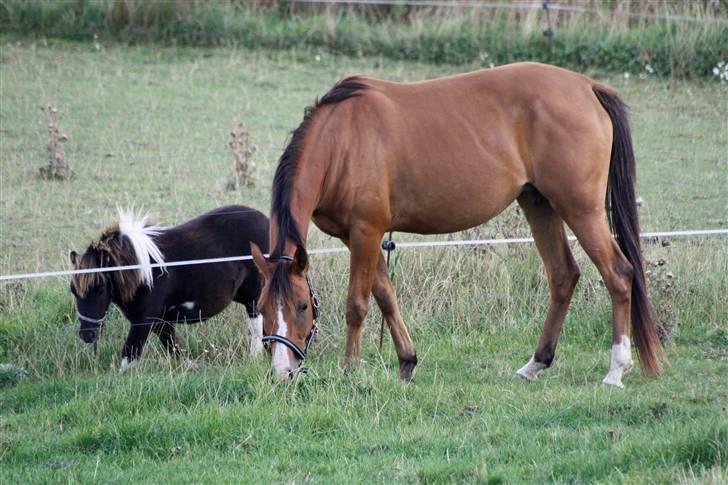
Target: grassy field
[{"x": 150, "y": 126}]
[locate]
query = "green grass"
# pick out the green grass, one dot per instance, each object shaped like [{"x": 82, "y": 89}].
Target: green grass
[
  {"x": 150, "y": 126},
  {"x": 450, "y": 35}
]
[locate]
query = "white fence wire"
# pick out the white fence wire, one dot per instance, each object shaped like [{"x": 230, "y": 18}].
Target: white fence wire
[{"x": 402, "y": 245}]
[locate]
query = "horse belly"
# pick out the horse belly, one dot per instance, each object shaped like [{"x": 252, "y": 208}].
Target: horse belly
[{"x": 446, "y": 201}]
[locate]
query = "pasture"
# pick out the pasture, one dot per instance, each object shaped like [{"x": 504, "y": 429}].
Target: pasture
[{"x": 149, "y": 126}]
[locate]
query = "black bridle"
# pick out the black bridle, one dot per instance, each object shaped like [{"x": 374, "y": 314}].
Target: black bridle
[{"x": 315, "y": 302}]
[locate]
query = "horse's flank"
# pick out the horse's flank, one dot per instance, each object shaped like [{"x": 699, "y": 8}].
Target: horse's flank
[{"x": 128, "y": 242}]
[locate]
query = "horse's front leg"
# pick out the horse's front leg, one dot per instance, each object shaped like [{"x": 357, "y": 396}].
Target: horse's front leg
[
  {"x": 134, "y": 344},
  {"x": 168, "y": 338},
  {"x": 363, "y": 243}
]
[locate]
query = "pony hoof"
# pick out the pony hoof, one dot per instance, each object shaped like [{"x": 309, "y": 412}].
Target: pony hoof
[
  {"x": 256, "y": 349},
  {"x": 531, "y": 370},
  {"x": 407, "y": 367},
  {"x": 128, "y": 365}
]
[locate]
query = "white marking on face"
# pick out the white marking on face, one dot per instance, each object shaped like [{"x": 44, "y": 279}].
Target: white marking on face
[
  {"x": 188, "y": 305},
  {"x": 127, "y": 365},
  {"x": 531, "y": 369},
  {"x": 621, "y": 362},
  {"x": 281, "y": 357},
  {"x": 255, "y": 333}
]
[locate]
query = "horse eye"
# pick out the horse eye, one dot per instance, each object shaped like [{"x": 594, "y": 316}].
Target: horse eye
[{"x": 302, "y": 307}]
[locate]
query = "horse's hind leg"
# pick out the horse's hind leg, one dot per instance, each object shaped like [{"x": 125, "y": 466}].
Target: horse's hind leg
[
  {"x": 386, "y": 297},
  {"x": 248, "y": 294},
  {"x": 562, "y": 273},
  {"x": 593, "y": 233}
]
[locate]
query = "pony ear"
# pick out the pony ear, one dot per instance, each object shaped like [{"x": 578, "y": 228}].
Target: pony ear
[
  {"x": 301, "y": 259},
  {"x": 74, "y": 257},
  {"x": 260, "y": 262}
]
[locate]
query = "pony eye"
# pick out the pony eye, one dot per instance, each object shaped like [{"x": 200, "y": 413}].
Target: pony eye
[{"x": 302, "y": 307}]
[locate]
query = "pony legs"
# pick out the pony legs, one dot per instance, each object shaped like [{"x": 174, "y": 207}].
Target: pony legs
[
  {"x": 562, "y": 272},
  {"x": 168, "y": 337},
  {"x": 386, "y": 298},
  {"x": 134, "y": 344}
]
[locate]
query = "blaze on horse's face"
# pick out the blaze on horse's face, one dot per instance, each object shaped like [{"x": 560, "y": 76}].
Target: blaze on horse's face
[
  {"x": 286, "y": 306},
  {"x": 93, "y": 297}
]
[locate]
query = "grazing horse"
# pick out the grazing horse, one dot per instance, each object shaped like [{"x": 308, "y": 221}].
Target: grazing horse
[
  {"x": 445, "y": 155},
  {"x": 154, "y": 299}
]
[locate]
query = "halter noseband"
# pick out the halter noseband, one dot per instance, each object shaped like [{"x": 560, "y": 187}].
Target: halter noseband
[
  {"x": 98, "y": 321},
  {"x": 315, "y": 302}
]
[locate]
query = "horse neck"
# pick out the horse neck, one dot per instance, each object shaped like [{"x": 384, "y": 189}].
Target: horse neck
[{"x": 304, "y": 197}]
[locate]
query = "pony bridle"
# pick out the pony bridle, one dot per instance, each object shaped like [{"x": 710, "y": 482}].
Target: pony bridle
[
  {"x": 300, "y": 354},
  {"x": 98, "y": 321}
]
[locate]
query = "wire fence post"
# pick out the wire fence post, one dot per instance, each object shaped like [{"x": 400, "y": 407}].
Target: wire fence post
[
  {"x": 549, "y": 32},
  {"x": 387, "y": 245}
]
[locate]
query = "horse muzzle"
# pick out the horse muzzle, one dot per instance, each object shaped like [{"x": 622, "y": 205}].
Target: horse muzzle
[
  {"x": 89, "y": 335},
  {"x": 282, "y": 367},
  {"x": 90, "y": 328}
]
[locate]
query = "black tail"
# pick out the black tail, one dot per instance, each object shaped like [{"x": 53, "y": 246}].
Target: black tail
[{"x": 625, "y": 225}]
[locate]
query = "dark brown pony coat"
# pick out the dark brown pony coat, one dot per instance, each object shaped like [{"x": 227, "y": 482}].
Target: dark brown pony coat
[
  {"x": 177, "y": 294},
  {"x": 445, "y": 155}
]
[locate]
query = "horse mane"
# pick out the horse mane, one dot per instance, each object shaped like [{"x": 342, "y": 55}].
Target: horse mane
[
  {"x": 128, "y": 242},
  {"x": 285, "y": 175},
  {"x": 288, "y": 163}
]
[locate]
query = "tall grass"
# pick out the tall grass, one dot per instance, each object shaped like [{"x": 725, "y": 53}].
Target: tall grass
[{"x": 606, "y": 39}]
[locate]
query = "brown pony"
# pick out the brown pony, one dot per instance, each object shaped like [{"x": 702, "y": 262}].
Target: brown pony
[{"x": 445, "y": 155}]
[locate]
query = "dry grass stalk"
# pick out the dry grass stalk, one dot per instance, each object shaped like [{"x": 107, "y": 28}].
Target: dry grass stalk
[
  {"x": 57, "y": 168},
  {"x": 243, "y": 152},
  {"x": 662, "y": 288}
]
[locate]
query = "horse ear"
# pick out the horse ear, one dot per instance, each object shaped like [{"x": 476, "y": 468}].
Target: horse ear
[
  {"x": 301, "y": 259},
  {"x": 74, "y": 257},
  {"x": 259, "y": 260}
]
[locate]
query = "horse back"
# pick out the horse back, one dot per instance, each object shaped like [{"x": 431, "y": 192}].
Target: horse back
[{"x": 467, "y": 143}]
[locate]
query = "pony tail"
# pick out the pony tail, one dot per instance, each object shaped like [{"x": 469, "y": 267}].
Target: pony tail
[{"x": 624, "y": 222}]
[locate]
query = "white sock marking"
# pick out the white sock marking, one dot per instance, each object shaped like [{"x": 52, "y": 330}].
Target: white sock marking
[
  {"x": 531, "y": 369},
  {"x": 126, "y": 365},
  {"x": 255, "y": 333},
  {"x": 281, "y": 357},
  {"x": 188, "y": 305},
  {"x": 621, "y": 362}
]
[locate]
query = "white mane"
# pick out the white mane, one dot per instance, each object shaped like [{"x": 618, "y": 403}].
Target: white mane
[{"x": 133, "y": 225}]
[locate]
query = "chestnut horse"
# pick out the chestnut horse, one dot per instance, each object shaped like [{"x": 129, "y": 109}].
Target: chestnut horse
[{"x": 445, "y": 155}]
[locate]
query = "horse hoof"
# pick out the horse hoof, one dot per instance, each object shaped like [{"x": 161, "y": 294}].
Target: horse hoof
[
  {"x": 531, "y": 370},
  {"x": 613, "y": 380},
  {"x": 407, "y": 367}
]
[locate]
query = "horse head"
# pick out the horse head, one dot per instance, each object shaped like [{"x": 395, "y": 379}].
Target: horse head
[{"x": 289, "y": 306}]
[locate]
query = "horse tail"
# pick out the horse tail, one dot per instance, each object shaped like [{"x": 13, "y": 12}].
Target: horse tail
[{"x": 625, "y": 225}]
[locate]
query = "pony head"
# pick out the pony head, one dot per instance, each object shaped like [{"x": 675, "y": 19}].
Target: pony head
[{"x": 129, "y": 242}]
